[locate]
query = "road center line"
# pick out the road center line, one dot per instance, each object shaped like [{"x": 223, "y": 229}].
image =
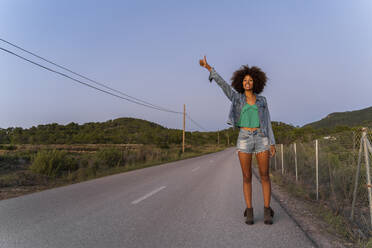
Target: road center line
[
  {"x": 197, "y": 168},
  {"x": 148, "y": 195}
]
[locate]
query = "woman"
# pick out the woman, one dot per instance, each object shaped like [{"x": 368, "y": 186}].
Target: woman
[{"x": 249, "y": 111}]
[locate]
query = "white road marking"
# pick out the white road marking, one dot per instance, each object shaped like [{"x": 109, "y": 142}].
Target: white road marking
[
  {"x": 197, "y": 168},
  {"x": 211, "y": 161},
  {"x": 148, "y": 195}
]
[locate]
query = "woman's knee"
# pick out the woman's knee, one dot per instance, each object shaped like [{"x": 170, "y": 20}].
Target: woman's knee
[
  {"x": 265, "y": 176},
  {"x": 247, "y": 178}
]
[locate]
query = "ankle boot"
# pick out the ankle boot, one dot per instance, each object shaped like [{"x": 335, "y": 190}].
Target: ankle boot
[
  {"x": 249, "y": 216},
  {"x": 268, "y": 215}
]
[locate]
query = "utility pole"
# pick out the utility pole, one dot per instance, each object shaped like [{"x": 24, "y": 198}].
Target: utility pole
[
  {"x": 218, "y": 137},
  {"x": 183, "y": 136},
  {"x": 295, "y": 154},
  {"x": 281, "y": 149}
]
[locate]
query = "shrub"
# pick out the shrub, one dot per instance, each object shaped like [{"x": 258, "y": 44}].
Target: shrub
[
  {"x": 109, "y": 157},
  {"x": 52, "y": 163},
  {"x": 164, "y": 146},
  {"x": 8, "y": 147}
]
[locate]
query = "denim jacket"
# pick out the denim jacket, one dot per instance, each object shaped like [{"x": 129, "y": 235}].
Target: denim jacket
[{"x": 238, "y": 100}]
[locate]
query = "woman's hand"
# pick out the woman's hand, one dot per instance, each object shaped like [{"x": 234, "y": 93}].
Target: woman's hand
[
  {"x": 203, "y": 63},
  {"x": 272, "y": 150}
]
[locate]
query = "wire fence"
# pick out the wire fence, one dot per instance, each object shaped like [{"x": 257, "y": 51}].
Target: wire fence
[{"x": 327, "y": 170}]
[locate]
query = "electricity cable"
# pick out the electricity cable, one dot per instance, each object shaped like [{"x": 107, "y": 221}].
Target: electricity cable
[
  {"x": 86, "y": 84},
  {"x": 80, "y": 75},
  {"x": 76, "y": 80}
]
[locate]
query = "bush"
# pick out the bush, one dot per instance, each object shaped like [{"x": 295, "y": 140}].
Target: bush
[
  {"x": 109, "y": 157},
  {"x": 52, "y": 163},
  {"x": 8, "y": 147}
]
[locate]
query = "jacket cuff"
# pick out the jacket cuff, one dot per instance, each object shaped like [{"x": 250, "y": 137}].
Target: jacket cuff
[{"x": 211, "y": 74}]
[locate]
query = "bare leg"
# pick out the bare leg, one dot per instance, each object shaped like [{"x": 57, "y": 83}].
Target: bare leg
[
  {"x": 245, "y": 163},
  {"x": 263, "y": 166}
]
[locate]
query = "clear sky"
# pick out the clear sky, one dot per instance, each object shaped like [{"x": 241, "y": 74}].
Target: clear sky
[{"x": 317, "y": 55}]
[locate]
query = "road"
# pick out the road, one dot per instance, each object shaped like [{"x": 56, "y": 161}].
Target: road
[{"x": 197, "y": 202}]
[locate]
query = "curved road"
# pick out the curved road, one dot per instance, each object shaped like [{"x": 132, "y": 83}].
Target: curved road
[{"x": 197, "y": 202}]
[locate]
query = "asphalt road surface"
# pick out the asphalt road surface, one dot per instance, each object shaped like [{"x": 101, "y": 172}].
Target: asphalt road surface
[{"x": 197, "y": 202}]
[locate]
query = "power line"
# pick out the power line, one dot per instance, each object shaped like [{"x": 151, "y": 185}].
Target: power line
[
  {"x": 86, "y": 84},
  {"x": 195, "y": 122},
  {"x": 80, "y": 75},
  {"x": 76, "y": 80}
]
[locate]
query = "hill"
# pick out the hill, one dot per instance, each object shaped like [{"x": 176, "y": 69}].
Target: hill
[
  {"x": 118, "y": 131},
  {"x": 362, "y": 117}
]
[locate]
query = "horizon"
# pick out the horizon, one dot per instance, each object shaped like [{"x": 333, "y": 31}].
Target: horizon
[{"x": 296, "y": 126}]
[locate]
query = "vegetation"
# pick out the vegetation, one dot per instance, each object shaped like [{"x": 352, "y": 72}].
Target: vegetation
[
  {"x": 52, "y": 163},
  {"x": 362, "y": 117},
  {"x": 32, "y": 170},
  {"x": 135, "y": 131},
  {"x": 118, "y": 131},
  {"x": 337, "y": 165}
]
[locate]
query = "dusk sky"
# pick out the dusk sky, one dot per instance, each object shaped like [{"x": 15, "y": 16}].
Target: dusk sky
[{"x": 316, "y": 54}]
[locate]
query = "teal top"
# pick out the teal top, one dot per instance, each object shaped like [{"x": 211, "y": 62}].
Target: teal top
[{"x": 249, "y": 116}]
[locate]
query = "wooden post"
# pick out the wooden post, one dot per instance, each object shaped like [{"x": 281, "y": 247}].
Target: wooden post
[
  {"x": 366, "y": 159},
  {"x": 281, "y": 150},
  {"x": 356, "y": 179},
  {"x": 228, "y": 139},
  {"x": 275, "y": 159},
  {"x": 369, "y": 146},
  {"x": 183, "y": 135},
  {"x": 295, "y": 154},
  {"x": 218, "y": 137},
  {"x": 316, "y": 169}
]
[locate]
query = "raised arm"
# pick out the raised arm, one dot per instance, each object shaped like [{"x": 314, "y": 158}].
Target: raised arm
[{"x": 227, "y": 89}]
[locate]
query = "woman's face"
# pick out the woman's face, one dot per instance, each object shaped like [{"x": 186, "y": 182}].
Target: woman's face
[{"x": 248, "y": 83}]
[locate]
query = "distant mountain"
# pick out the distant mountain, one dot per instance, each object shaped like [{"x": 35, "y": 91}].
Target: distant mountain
[{"x": 362, "y": 117}]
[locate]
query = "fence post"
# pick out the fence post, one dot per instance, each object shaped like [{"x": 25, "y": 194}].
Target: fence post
[
  {"x": 295, "y": 153},
  {"x": 369, "y": 146},
  {"x": 281, "y": 150},
  {"x": 275, "y": 159},
  {"x": 366, "y": 157},
  {"x": 356, "y": 179},
  {"x": 316, "y": 169}
]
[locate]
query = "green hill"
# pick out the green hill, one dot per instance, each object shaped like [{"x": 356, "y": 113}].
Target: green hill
[
  {"x": 138, "y": 131},
  {"x": 362, "y": 117},
  {"x": 118, "y": 131}
]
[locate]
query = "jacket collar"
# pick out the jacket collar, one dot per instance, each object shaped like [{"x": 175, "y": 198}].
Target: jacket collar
[
  {"x": 259, "y": 100},
  {"x": 258, "y": 97}
]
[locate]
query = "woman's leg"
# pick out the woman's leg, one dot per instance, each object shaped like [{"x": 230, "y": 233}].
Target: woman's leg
[
  {"x": 263, "y": 166},
  {"x": 245, "y": 163}
]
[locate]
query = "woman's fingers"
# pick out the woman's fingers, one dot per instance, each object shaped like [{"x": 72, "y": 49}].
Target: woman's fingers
[
  {"x": 201, "y": 62},
  {"x": 272, "y": 151}
]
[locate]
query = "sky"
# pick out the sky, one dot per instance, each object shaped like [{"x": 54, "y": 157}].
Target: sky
[{"x": 317, "y": 56}]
